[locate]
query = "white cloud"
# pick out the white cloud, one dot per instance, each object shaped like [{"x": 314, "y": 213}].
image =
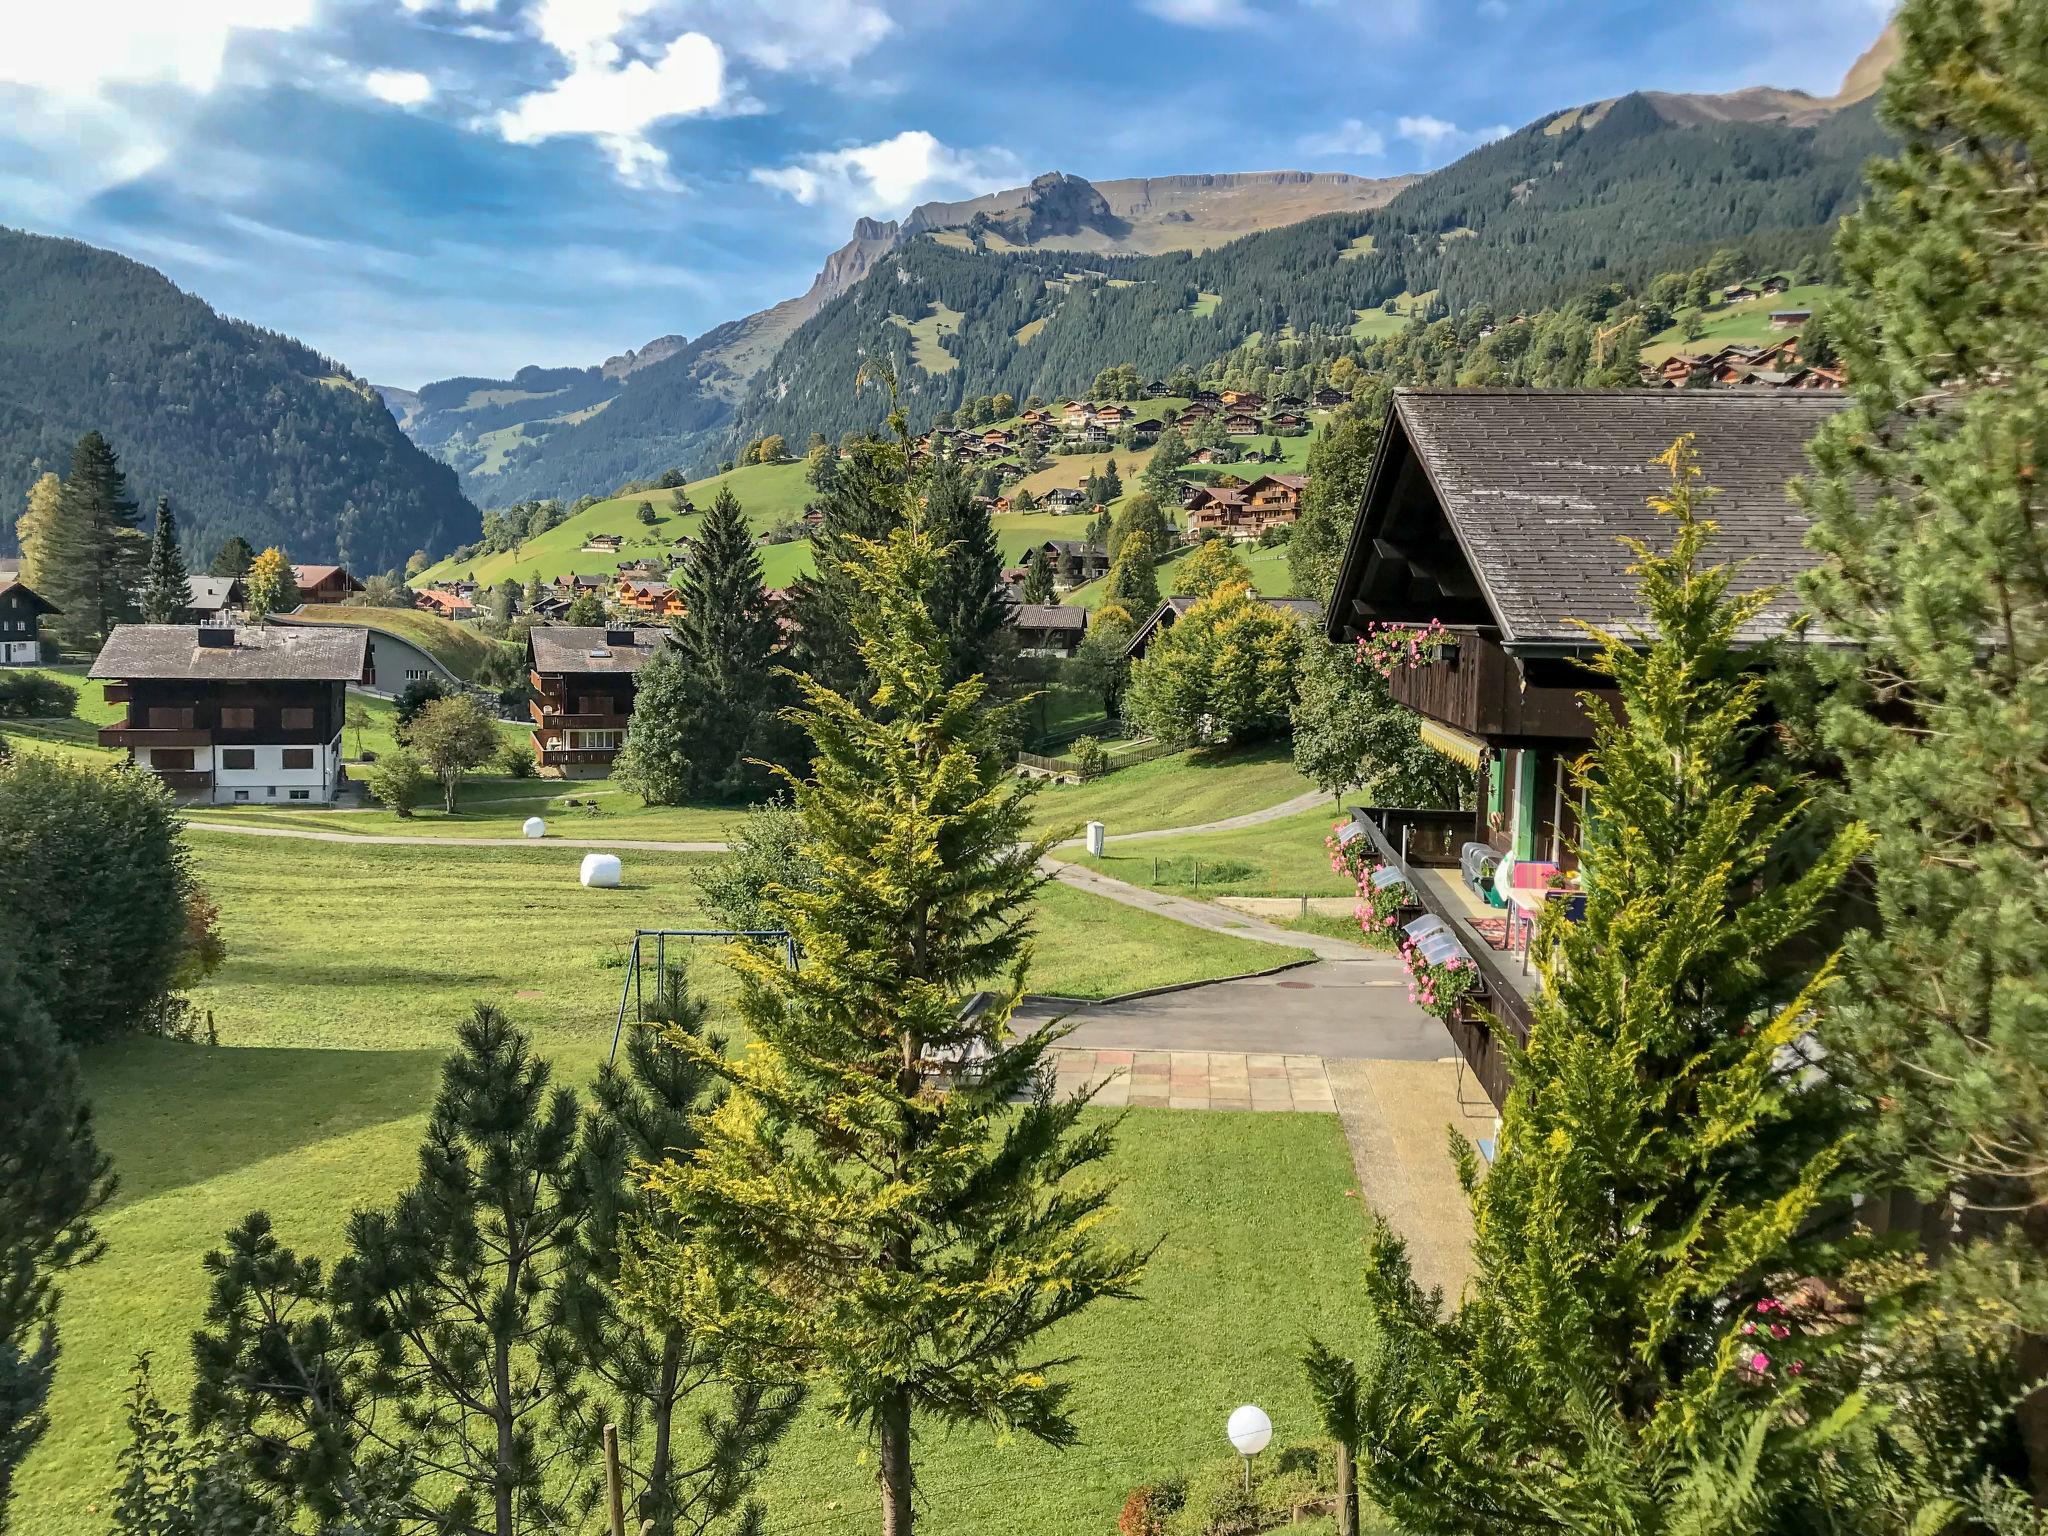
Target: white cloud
[
  {"x": 1202, "y": 13},
  {"x": 799, "y": 35},
  {"x": 1350, "y": 137},
  {"x": 1435, "y": 136},
  {"x": 399, "y": 87},
  {"x": 888, "y": 177},
  {"x": 611, "y": 95}
]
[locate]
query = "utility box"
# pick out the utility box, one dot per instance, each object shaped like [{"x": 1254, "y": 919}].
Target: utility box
[{"x": 1095, "y": 839}]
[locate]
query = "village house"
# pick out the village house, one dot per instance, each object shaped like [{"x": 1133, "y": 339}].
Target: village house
[
  {"x": 215, "y": 599},
  {"x": 1499, "y": 514},
  {"x": 227, "y": 714},
  {"x": 1287, "y": 421},
  {"x": 1740, "y": 293},
  {"x": 1244, "y": 399},
  {"x": 603, "y": 544},
  {"x": 648, "y": 599},
  {"x": 1789, "y": 319},
  {"x": 582, "y": 683},
  {"x": 324, "y": 584},
  {"x": 1075, "y": 561},
  {"x": 1111, "y": 417},
  {"x": 1240, "y": 423},
  {"x": 1048, "y": 629},
  {"x": 1063, "y": 498},
  {"x": 1773, "y": 286},
  {"x": 449, "y": 605},
  {"x": 21, "y": 618},
  {"x": 1076, "y": 413},
  {"x": 1328, "y": 399}
]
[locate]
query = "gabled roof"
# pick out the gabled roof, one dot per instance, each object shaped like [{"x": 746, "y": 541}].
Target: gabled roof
[
  {"x": 322, "y": 653},
  {"x": 313, "y": 575},
  {"x": 588, "y": 648},
  {"x": 13, "y": 583},
  {"x": 210, "y": 594},
  {"x": 1537, "y": 487},
  {"x": 1306, "y": 609},
  {"x": 1049, "y": 616}
]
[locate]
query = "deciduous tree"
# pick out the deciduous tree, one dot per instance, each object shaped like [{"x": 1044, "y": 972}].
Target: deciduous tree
[
  {"x": 1223, "y": 673},
  {"x": 36, "y": 527},
  {"x": 271, "y": 586},
  {"x": 451, "y": 736}
]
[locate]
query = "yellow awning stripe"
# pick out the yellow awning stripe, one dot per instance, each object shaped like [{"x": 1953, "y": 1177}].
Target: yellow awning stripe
[{"x": 1455, "y": 745}]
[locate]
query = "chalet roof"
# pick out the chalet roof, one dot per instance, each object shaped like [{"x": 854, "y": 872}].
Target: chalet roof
[
  {"x": 313, "y": 575},
  {"x": 1291, "y": 482},
  {"x": 1049, "y": 616},
  {"x": 11, "y": 581},
  {"x": 591, "y": 648},
  {"x": 1539, "y": 486},
  {"x": 210, "y": 594},
  {"x": 314, "y": 653}
]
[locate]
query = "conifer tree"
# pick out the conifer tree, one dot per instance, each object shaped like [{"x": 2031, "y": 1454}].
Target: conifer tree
[
  {"x": 1339, "y": 461},
  {"x": 91, "y": 563},
  {"x": 1615, "y": 1363},
  {"x": 1134, "y": 579},
  {"x": 1038, "y": 578},
  {"x": 53, "y": 1179},
  {"x": 36, "y": 525},
  {"x": 234, "y": 558},
  {"x": 1930, "y": 507},
  {"x": 703, "y": 707},
  {"x": 905, "y": 1247},
  {"x": 966, "y": 598},
  {"x": 868, "y": 498},
  {"x": 166, "y": 587}
]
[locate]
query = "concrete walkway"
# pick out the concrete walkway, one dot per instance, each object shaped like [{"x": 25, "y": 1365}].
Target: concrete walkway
[{"x": 1203, "y": 914}]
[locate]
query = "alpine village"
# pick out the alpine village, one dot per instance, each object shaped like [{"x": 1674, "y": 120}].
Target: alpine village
[{"x": 1348, "y": 850}]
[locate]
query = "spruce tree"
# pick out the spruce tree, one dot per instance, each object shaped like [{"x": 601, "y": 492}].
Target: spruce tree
[
  {"x": 869, "y": 497},
  {"x": 234, "y": 558},
  {"x": 907, "y": 1245},
  {"x": 1038, "y": 577},
  {"x": 1930, "y": 507},
  {"x": 705, "y": 707},
  {"x": 1615, "y": 1362},
  {"x": 166, "y": 587},
  {"x": 53, "y": 1180},
  {"x": 966, "y": 599},
  {"x": 91, "y": 564}
]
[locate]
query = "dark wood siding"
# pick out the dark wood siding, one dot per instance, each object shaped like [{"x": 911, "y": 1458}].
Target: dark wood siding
[
  {"x": 1478, "y": 688},
  {"x": 198, "y": 706}
]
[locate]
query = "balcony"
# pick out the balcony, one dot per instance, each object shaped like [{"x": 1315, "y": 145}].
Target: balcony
[
  {"x": 550, "y": 713},
  {"x": 165, "y": 728},
  {"x": 574, "y": 757}
]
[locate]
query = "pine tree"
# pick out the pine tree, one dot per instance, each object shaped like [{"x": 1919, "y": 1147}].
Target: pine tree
[
  {"x": 166, "y": 587},
  {"x": 36, "y": 525},
  {"x": 869, "y": 497},
  {"x": 1930, "y": 507},
  {"x": 1038, "y": 577},
  {"x": 1662, "y": 1156},
  {"x": 1134, "y": 580},
  {"x": 706, "y": 706},
  {"x": 92, "y": 561},
  {"x": 654, "y": 1382},
  {"x": 53, "y": 1180},
  {"x": 966, "y": 599},
  {"x": 906, "y": 1247},
  {"x": 234, "y": 558}
]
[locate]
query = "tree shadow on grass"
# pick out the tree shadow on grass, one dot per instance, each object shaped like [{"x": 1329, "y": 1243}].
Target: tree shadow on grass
[{"x": 172, "y": 1115}]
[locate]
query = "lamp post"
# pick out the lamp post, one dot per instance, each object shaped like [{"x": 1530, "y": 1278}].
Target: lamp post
[{"x": 1250, "y": 1432}]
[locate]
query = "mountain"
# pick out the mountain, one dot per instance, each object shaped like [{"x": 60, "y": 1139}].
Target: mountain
[
  {"x": 245, "y": 430},
  {"x": 560, "y": 432}
]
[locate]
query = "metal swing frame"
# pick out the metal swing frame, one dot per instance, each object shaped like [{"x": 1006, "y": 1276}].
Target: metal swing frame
[{"x": 632, "y": 992}]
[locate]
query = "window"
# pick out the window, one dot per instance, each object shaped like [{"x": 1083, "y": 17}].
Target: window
[
  {"x": 238, "y": 757},
  {"x": 597, "y": 741},
  {"x": 296, "y": 719},
  {"x": 414, "y": 674},
  {"x": 298, "y": 757},
  {"x": 171, "y": 759},
  {"x": 302, "y": 794},
  {"x": 241, "y": 794},
  {"x": 237, "y": 718}
]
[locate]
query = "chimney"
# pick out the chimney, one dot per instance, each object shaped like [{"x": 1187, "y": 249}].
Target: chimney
[
  {"x": 619, "y": 637},
  {"x": 214, "y": 637}
]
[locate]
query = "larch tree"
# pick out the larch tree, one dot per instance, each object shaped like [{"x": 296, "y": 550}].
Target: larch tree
[
  {"x": 1930, "y": 508},
  {"x": 1635, "y": 1350},
  {"x": 36, "y": 526},
  {"x": 166, "y": 584},
  {"x": 904, "y": 1243},
  {"x": 92, "y": 560}
]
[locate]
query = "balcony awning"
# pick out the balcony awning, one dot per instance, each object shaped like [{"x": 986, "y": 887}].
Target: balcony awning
[{"x": 1455, "y": 745}]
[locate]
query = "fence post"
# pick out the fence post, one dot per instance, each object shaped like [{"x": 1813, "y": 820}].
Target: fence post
[{"x": 615, "y": 1495}]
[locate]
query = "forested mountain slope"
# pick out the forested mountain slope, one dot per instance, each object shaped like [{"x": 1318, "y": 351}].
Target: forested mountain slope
[{"x": 246, "y": 431}]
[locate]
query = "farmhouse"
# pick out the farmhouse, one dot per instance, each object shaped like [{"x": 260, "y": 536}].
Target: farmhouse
[
  {"x": 1789, "y": 319},
  {"x": 603, "y": 543},
  {"x": 1063, "y": 498},
  {"x": 21, "y": 617},
  {"x": 652, "y": 599},
  {"x": 582, "y": 682},
  {"x": 228, "y": 714},
  {"x": 449, "y": 605},
  {"x": 1499, "y": 513},
  {"x": 1075, "y": 561},
  {"x": 1328, "y": 399},
  {"x": 1048, "y": 629},
  {"x": 324, "y": 583},
  {"x": 1239, "y": 422}
]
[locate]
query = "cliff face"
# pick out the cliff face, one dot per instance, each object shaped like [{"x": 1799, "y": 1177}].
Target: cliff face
[{"x": 632, "y": 361}]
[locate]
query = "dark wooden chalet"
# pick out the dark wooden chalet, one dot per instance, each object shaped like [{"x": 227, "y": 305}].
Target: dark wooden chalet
[
  {"x": 582, "y": 682},
  {"x": 227, "y": 714},
  {"x": 1048, "y": 629},
  {"x": 1499, "y": 513},
  {"x": 21, "y": 619}
]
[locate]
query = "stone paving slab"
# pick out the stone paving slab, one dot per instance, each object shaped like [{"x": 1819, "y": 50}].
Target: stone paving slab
[{"x": 1198, "y": 1079}]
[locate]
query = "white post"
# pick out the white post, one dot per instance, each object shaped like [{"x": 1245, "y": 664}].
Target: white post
[{"x": 1096, "y": 839}]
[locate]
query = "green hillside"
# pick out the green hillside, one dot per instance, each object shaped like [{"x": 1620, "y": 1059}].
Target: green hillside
[{"x": 1748, "y": 323}]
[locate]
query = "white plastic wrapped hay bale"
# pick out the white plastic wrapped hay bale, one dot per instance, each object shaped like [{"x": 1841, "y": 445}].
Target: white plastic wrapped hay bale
[
  {"x": 600, "y": 869},
  {"x": 535, "y": 827}
]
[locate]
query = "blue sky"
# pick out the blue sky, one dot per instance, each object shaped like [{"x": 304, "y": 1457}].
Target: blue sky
[{"x": 430, "y": 187}]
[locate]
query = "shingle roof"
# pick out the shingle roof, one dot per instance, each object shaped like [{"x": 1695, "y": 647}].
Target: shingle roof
[
  {"x": 579, "y": 648},
  {"x": 1540, "y": 485},
  {"x": 211, "y": 593},
  {"x": 10, "y": 580},
  {"x": 325, "y": 653},
  {"x": 1046, "y": 616}
]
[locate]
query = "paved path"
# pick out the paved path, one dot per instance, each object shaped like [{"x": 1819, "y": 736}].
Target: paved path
[
  {"x": 1300, "y": 803},
  {"x": 399, "y": 840},
  {"x": 1203, "y": 914}
]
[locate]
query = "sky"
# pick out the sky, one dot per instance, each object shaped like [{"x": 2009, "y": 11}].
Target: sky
[{"x": 429, "y": 188}]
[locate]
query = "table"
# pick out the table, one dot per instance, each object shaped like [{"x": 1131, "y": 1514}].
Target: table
[{"x": 1524, "y": 902}]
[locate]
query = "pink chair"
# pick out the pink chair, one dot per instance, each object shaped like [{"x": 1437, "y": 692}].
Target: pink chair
[{"x": 1525, "y": 875}]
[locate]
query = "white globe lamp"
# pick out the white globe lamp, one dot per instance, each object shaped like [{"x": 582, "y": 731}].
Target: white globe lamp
[{"x": 1250, "y": 1432}]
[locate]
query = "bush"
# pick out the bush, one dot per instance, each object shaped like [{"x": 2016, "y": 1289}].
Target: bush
[
  {"x": 96, "y": 879},
  {"x": 414, "y": 697},
  {"x": 515, "y": 760},
  {"x": 1148, "y": 1509},
  {"x": 28, "y": 694},
  {"x": 1091, "y": 758},
  {"x": 767, "y": 848},
  {"x": 1216, "y": 1503},
  {"x": 396, "y": 781}
]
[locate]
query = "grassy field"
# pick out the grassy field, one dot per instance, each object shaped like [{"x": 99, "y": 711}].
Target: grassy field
[
  {"x": 1276, "y": 858},
  {"x": 1748, "y": 323},
  {"x": 461, "y": 648},
  {"x": 1376, "y": 324},
  {"x": 1185, "y": 790},
  {"x": 347, "y": 969},
  {"x": 927, "y": 337}
]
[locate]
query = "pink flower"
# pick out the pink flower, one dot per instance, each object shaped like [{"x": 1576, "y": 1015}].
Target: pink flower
[
  {"x": 1766, "y": 1305},
  {"x": 1749, "y": 1327},
  {"x": 1798, "y": 1367},
  {"x": 1780, "y": 1331},
  {"x": 1759, "y": 1362}
]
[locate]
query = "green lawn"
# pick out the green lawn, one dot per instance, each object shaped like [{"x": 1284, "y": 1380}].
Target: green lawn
[
  {"x": 72, "y": 735},
  {"x": 347, "y": 969},
  {"x": 1276, "y": 858},
  {"x": 1748, "y": 323},
  {"x": 1185, "y": 790}
]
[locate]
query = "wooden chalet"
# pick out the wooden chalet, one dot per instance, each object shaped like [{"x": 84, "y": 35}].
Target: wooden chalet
[
  {"x": 21, "y": 619},
  {"x": 582, "y": 684},
  {"x": 227, "y": 714},
  {"x": 1245, "y": 512},
  {"x": 604, "y": 544},
  {"x": 647, "y": 598},
  {"x": 1328, "y": 399},
  {"x": 1773, "y": 286},
  {"x": 1075, "y": 561},
  {"x": 1741, "y": 293},
  {"x": 1789, "y": 319},
  {"x": 1287, "y": 421},
  {"x": 1063, "y": 497},
  {"x": 1111, "y": 416},
  {"x": 1499, "y": 513},
  {"x": 324, "y": 584},
  {"x": 1239, "y": 422},
  {"x": 1048, "y": 629},
  {"x": 449, "y": 605}
]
